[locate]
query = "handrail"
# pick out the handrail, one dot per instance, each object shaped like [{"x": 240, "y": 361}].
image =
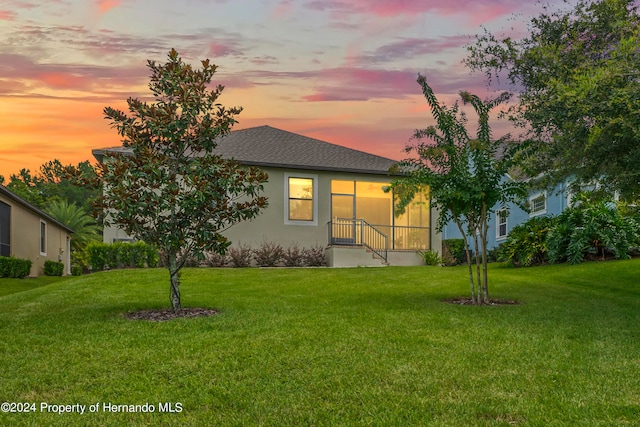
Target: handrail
[
  {"x": 358, "y": 232},
  {"x": 371, "y": 236}
]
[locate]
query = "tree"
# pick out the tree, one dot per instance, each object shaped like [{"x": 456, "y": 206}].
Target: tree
[
  {"x": 466, "y": 177},
  {"x": 576, "y": 75},
  {"x": 172, "y": 190},
  {"x": 51, "y": 184}
]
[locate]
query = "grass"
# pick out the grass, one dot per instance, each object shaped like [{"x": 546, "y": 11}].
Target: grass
[
  {"x": 12, "y": 286},
  {"x": 331, "y": 347}
]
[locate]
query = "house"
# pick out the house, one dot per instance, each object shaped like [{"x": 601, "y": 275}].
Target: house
[
  {"x": 28, "y": 233},
  {"x": 504, "y": 219},
  {"x": 322, "y": 194}
]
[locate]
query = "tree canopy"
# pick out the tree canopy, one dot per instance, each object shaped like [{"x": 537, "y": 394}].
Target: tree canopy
[
  {"x": 51, "y": 184},
  {"x": 577, "y": 76},
  {"x": 172, "y": 190}
]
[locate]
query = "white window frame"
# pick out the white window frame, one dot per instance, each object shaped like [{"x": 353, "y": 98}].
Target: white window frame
[
  {"x": 499, "y": 213},
  {"x": 287, "y": 221},
  {"x": 541, "y": 211},
  {"x": 43, "y": 239}
]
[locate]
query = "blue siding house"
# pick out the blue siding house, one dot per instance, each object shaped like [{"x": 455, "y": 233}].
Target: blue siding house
[{"x": 503, "y": 220}]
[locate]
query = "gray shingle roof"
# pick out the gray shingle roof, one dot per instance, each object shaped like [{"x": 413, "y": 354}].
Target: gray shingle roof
[{"x": 268, "y": 146}]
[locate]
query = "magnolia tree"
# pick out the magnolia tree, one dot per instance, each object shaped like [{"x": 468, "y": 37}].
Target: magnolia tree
[
  {"x": 466, "y": 177},
  {"x": 170, "y": 189}
]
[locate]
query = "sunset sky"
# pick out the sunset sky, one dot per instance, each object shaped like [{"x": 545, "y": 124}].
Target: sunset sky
[{"x": 339, "y": 70}]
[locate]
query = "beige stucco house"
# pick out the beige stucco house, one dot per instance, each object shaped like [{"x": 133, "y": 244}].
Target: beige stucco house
[
  {"x": 27, "y": 232},
  {"x": 322, "y": 194}
]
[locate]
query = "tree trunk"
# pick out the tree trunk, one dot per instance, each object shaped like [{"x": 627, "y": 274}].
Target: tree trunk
[
  {"x": 485, "y": 273},
  {"x": 174, "y": 273},
  {"x": 468, "y": 253},
  {"x": 477, "y": 252}
]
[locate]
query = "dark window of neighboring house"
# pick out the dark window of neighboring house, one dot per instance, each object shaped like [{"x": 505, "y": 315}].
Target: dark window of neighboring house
[
  {"x": 43, "y": 237},
  {"x": 5, "y": 229}
]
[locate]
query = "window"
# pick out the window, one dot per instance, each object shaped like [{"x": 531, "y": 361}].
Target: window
[
  {"x": 501, "y": 224},
  {"x": 5, "y": 229},
  {"x": 301, "y": 199},
  {"x": 43, "y": 238},
  {"x": 538, "y": 204}
]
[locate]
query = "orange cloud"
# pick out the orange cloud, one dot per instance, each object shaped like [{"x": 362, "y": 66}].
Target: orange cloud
[{"x": 106, "y": 5}]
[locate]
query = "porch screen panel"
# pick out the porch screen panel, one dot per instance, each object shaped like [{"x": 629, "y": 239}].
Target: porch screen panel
[
  {"x": 5, "y": 229},
  {"x": 373, "y": 204},
  {"x": 342, "y": 206},
  {"x": 412, "y": 228},
  {"x": 342, "y": 187}
]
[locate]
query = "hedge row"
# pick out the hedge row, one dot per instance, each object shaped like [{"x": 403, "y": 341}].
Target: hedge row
[
  {"x": 121, "y": 255},
  {"x": 14, "y": 267},
  {"x": 267, "y": 254}
]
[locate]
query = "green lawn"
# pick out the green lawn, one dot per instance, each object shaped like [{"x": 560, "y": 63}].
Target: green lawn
[
  {"x": 331, "y": 347},
  {"x": 12, "y": 286}
]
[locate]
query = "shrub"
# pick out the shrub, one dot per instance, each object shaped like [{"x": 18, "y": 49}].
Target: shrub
[
  {"x": 76, "y": 270},
  {"x": 214, "y": 259},
  {"x": 430, "y": 257},
  {"x": 98, "y": 255},
  {"x": 591, "y": 227},
  {"x": 293, "y": 256},
  {"x": 138, "y": 254},
  {"x": 240, "y": 256},
  {"x": 314, "y": 256},
  {"x": 80, "y": 258},
  {"x": 453, "y": 252},
  {"x": 53, "y": 268},
  {"x": 268, "y": 254},
  {"x": 119, "y": 255},
  {"x": 153, "y": 259},
  {"x": 15, "y": 268},
  {"x": 526, "y": 244}
]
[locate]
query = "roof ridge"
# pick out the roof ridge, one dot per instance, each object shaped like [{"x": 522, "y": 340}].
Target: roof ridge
[{"x": 314, "y": 139}]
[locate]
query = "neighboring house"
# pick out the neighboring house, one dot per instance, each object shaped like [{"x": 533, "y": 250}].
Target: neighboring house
[
  {"x": 321, "y": 194},
  {"x": 28, "y": 233},
  {"x": 503, "y": 220}
]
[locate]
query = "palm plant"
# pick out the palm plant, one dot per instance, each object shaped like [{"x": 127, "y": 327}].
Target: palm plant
[{"x": 85, "y": 229}]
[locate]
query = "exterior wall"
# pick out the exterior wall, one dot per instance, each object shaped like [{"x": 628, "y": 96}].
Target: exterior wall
[
  {"x": 25, "y": 238},
  {"x": 557, "y": 201},
  {"x": 272, "y": 224}
]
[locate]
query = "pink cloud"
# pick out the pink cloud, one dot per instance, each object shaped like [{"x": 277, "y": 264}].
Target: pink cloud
[
  {"x": 282, "y": 10},
  {"x": 62, "y": 80},
  {"x": 480, "y": 11},
  {"x": 362, "y": 84},
  {"x": 97, "y": 80},
  {"x": 7, "y": 15},
  {"x": 226, "y": 49}
]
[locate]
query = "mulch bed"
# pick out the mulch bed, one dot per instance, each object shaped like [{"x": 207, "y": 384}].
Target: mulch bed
[
  {"x": 467, "y": 301},
  {"x": 161, "y": 315}
]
